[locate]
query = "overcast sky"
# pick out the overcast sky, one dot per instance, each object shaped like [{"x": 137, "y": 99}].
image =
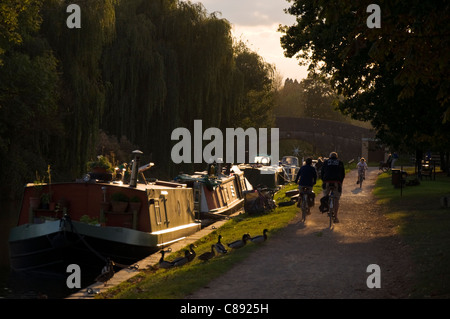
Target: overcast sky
[{"x": 256, "y": 21}]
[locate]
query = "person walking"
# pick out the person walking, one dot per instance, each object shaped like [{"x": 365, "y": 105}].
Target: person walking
[
  {"x": 394, "y": 159},
  {"x": 333, "y": 173}
]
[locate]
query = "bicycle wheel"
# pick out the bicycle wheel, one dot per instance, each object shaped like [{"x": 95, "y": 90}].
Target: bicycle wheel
[
  {"x": 360, "y": 178},
  {"x": 331, "y": 211},
  {"x": 304, "y": 207},
  {"x": 330, "y": 215}
]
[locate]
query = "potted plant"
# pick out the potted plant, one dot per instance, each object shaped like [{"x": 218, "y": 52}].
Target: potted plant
[
  {"x": 88, "y": 220},
  {"x": 100, "y": 169},
  {"x": 135, "y": 204},
  {"x": 45, "y": 200},
  {"x": 119, "y": 202},
  {"x": 101, "y": 165}
]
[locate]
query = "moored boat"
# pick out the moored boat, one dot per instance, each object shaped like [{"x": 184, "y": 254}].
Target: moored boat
[
  {"x": 262, "y": 173},
  {"x": 290, "y": 166},
  {"x": 86, "y": 228},
  {"x": 218, "y": 193}
]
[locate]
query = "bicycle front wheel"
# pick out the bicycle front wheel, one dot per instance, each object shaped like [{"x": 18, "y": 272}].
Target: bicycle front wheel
[
  {"x": 330, "y": 215},
  {"x": 331, "y": 212},
  {"x": 304, "y": 208}
]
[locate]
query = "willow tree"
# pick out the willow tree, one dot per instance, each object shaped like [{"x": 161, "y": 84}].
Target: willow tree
[
  {"x": 133, "y": 72},
  {"x": 170, "y": 63},
  {"x": 82, "y": 91}
]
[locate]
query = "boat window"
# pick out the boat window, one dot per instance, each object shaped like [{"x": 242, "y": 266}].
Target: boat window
[
  {"x": 196, "y": 195},
  {"x": 157, "y": 211}
]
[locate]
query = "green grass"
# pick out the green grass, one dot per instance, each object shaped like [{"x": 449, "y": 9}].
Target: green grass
[
  {"x": 177, "y": 283},
  {"x": 425, "y": 227}
]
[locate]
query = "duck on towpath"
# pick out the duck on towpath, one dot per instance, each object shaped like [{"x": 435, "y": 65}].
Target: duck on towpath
[
  {"x": 260, "y": 238},
  {"x": 239, "y": 243}
]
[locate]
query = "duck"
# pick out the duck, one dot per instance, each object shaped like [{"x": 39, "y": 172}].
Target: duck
[
  {"x": 208, "y": 255},
  {"x": 191, "y": 253},
  {"x": 260, "y": 238},
  {"x": 107, "y": 272},
  {"x": 164, "y": 263},
  {"x": 180, "y": 261},
  {"x": 239, "y": 243},
  {"x": 220, "y": 248}
]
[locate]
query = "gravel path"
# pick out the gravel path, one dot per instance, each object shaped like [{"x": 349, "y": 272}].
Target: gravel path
[{"x": 313, "y": 261}]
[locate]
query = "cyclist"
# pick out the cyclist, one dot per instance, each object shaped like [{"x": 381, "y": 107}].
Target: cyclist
[
  {"x": 333, "y": 173},
  {"x": 306, "y": 176},
  {"x": 362, "y": 168}
]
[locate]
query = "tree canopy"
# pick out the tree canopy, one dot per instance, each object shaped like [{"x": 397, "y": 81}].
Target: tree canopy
[
  {"x": 312, "y": 97},
  {"x": 395, "y": 76}
]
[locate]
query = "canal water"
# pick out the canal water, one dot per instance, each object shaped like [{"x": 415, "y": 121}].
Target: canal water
[{"x": 24, "y": 286}]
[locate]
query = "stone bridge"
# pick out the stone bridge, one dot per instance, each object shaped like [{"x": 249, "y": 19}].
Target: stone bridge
[{"x": 349, "y": 141}]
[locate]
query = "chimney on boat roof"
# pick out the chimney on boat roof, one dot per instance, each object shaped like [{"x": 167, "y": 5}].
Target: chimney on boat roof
[{"x": 135, "y": 168}]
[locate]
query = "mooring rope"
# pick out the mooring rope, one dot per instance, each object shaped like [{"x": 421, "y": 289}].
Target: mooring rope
[{"x": 66, "y": 218}]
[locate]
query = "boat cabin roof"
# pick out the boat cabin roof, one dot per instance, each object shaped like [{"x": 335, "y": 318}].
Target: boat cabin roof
[{"x": 139, "y": 186}]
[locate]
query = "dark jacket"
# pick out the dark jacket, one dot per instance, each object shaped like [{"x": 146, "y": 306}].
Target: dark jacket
[
  {"x": 333, "y": 170},
  {"x": 307, "y": 175}
]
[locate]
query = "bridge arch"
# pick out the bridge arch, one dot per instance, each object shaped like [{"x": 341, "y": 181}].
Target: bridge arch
[{"x": 348, "y": 140}]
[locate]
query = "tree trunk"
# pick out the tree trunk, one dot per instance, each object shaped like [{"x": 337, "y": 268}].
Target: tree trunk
[
  {"x": 443, "y": 161},
  {"x": 447, "y": 155}
]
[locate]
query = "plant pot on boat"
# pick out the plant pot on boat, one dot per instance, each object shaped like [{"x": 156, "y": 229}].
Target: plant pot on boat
[
  {"x": 101, "y": 168},
  {"x": 45, "y": 200},
  {"x": 119, "y": 202},
  {"x": 135, "y": 204}
]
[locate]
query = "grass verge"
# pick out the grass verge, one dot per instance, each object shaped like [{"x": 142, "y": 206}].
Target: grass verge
[
  {"x": 177, "y": 283},
  {"x": 425, "y": 226}
]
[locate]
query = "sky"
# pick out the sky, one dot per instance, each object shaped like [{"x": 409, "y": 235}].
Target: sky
[{"x": 256, "y": 23}]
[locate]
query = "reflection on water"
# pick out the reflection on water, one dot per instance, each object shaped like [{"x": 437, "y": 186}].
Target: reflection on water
[
  {"x": 27, "y": 286},
  {"x": 24, "y": 286},
  {"x": 9, "y": 212}
]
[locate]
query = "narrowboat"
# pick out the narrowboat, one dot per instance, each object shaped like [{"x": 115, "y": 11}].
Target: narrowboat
[
  {"x": 290, "y": 166},
  {"x": 262, "y": 173},
  {"x": 95, "y": 221},
  {"x": 217, "y": 192}
]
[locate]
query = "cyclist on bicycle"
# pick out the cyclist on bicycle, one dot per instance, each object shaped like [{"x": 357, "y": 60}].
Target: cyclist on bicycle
[
  {"x": 362, "y": 168},
  {"x": 333, "y": 173},
  {"x": 306, "y": 176}
]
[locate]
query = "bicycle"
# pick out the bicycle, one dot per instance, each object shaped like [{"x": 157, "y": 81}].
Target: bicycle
[
  {"x": 331, "y": 205},
  {"x": 385, "y": 166},
  {"x": 361, "y": 177},
  {"x": 304, "y": 194},
  {"x": 267, "y": 197}
]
